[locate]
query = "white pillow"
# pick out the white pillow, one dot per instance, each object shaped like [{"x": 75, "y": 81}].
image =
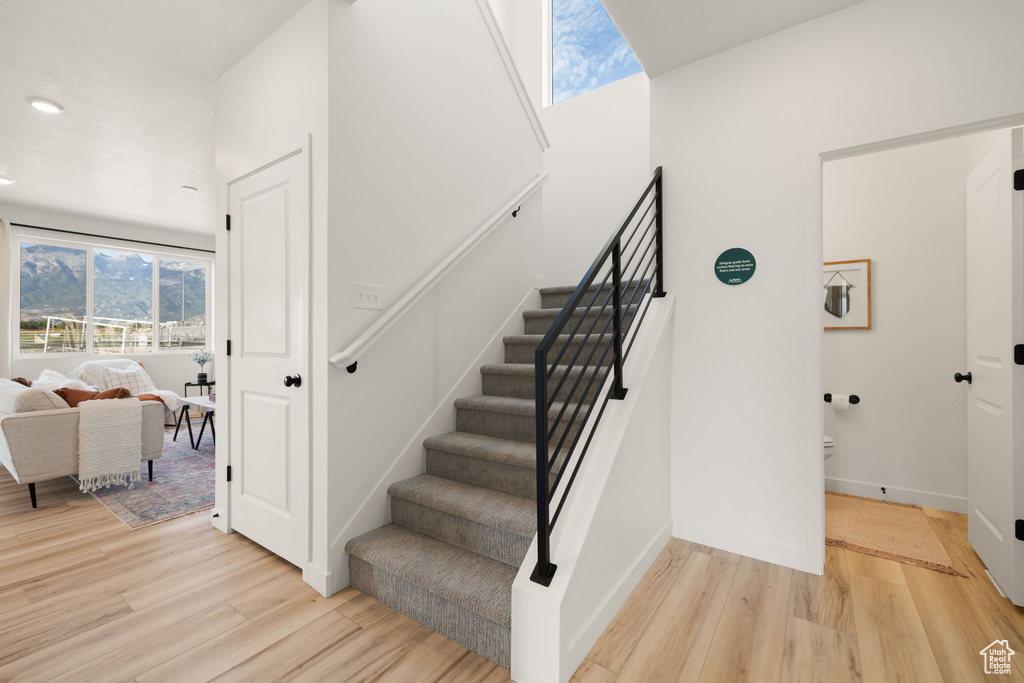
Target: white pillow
[
  {"x": 42, "y": 399},
  {"x": 133, "y": 381},
  {"x": 51, "y": 379},
  {"x": 10, "y": 396},
  {"x": 17, "y": 398}
]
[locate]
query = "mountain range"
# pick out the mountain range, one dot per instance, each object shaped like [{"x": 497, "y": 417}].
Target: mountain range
[{"x": 53, "y": 282}]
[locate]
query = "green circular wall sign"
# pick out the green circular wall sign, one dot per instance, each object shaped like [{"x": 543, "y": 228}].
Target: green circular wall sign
[{"x": 735, "y": 266}]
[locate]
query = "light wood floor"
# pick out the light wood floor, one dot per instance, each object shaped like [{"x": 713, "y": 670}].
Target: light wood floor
[{"x": 82, "y": 598}]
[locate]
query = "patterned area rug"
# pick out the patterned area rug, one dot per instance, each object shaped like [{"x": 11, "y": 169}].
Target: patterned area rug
[
  {"x": 893, "y": 531},
  {"x": 182, "y": 484}
]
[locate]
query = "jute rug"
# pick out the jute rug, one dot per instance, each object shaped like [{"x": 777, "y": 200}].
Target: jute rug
[
  {"x": 183, "y": 483},
  {"x": 893, "y": 531}
]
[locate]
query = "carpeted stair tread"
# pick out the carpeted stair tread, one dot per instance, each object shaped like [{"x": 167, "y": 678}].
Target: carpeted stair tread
[
  {"x": 490, "y": 448},
  {"x": 564, "y": 289},
  {"x": 557, "y": 297},
  {"x": 517, "y": 380},
  {"x": 536, "y": 339},
  {"x": 528, "y": 369},
  {"x": 552, "y": 313},
  {"x": 569, "y": 289},
  {"x": 464, "y": 578},
  {"x": 482, "y": 505},
  {"x": 510, "y": 406}
]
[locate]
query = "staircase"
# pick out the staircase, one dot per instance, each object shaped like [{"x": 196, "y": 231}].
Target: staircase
[{"x": 461, "y": 531}]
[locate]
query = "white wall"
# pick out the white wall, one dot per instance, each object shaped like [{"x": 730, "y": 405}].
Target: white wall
[
  {"x": 502, "y": 10},
  {"x": 428, "y": 140},
  {"x": 740, "y": 135},
  {"x": 905, "y": 209},
  {"x": 599, "y": 163},
  {"x": 599, "y": 160},
  {"x": 272, "y": 101},
  {"x": 168, "y": 370}
]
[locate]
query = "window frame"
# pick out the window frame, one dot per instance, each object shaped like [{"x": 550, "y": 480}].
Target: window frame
[{"x": 22, "y": 235}]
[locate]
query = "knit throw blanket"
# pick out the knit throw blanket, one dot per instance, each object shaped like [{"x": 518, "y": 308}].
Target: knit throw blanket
[{"x": 109, "y": 443}]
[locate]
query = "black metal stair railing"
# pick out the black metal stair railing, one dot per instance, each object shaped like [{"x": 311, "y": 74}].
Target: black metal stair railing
[{"x": 613, "y": 301}]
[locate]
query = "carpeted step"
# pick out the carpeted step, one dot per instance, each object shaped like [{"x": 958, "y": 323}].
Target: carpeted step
[
  {"x": 491, "y": 523},
  {"x": 512, "y": 418},
  {"x": 460, "y": 594},
  {"x": 500, "y": 464},
  {"x": 521, "y": 348},
  {"x": 540, "y": 320},
  {"x": 557, "y": 297},
  {"x": 516, "y": 380}
]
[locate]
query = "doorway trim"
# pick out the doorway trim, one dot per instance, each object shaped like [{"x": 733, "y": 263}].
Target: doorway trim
[{"x": 814, "y": 157}]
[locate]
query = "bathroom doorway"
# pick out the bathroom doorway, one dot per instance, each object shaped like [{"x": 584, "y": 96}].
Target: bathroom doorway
[{"x": 938, "y": 298}]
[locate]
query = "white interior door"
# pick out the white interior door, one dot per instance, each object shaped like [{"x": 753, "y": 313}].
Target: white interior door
[
  {"x": 995, "y": 278},
  {"x": 269, "y": 260}
]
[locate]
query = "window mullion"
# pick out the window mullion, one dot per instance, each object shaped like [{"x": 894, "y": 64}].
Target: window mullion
[
  {"x": 156, "y": 303},
  {"x": 89, "y": 273}
]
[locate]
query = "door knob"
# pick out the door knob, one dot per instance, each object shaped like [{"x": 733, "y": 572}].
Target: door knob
[
  {"x": 296, "y": 381},
  {"x": 960, "y": 378}
]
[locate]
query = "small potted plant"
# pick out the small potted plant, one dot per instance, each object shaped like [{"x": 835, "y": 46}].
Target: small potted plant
[{"x": 202, "y": 357}]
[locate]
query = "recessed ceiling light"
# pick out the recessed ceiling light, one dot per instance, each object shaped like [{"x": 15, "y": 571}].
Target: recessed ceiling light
[
  {"x": 43, "y": 104},
  {"x": 6, "y": 181},
  {"x": 189, "y": 188}
]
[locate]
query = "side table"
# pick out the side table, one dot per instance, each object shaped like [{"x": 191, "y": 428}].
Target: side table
[
  {"x": 208, "y": 407},
  {"x": 200, "y": 385}
]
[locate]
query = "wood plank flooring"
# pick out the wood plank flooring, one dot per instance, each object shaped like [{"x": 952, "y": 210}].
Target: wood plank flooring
[{"x": 82, "y": 598}]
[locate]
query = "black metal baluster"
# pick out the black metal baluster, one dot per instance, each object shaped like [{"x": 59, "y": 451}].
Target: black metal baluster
[
  {"x": 659, "y": 289},
  {"x": 544, "y": 571},
  {"x": 618, "y": 392},
  {"x": 547, "y": 427}
]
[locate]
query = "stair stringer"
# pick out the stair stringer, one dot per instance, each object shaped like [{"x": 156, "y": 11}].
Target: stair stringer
[
  {"x": 616, "y": 520},
  {"x": 375, "y": 509}
]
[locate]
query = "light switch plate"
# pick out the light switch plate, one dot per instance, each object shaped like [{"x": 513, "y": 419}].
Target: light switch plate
[{"x": 368, "y": 296}]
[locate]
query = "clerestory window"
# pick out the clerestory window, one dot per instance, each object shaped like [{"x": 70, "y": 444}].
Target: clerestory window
[{"x": 587, "y": 49}]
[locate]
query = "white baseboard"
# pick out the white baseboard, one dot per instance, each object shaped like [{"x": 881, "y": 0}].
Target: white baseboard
[
  {"x": 757, "y": 548},
  {"x": 217, "y": 520},
  {"x": 319, "y": 579},
  {"x": 938, "y": 501},
  {"x": 992, "y": 579}
]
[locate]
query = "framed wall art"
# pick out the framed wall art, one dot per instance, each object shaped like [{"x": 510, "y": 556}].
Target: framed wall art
[{"x": 846, "y": 294}]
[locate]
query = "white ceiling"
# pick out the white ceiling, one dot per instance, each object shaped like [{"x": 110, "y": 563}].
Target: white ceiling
[
  {"x": 136, "y": 77},
  {"x": 667, "y": 34}
]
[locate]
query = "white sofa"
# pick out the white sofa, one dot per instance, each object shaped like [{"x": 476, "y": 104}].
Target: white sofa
[
  {"x": 39, "y": 439},
  {"x": 94, "y": 372}
]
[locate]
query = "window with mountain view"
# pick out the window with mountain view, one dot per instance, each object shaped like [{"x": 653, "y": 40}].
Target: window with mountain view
[
  {"x": 127, "y": 313},
  {"x": 182, "y": 304},
  {"x": 587, "y": 49},
  {"x": 53, "y": 298},
  {"x": 122, "y": 302}
]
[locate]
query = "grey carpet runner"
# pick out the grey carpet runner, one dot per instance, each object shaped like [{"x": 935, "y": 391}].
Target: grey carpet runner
[{"x": 461, "y": 530}]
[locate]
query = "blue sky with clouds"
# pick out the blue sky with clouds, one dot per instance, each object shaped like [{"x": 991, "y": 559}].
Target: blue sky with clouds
[{"x": 587, "y": 50}]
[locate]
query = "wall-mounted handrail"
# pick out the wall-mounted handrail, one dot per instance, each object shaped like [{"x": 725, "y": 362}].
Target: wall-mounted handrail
[
  {"x": 622, "y": 295},
  {"x": 349, "y": 357}
]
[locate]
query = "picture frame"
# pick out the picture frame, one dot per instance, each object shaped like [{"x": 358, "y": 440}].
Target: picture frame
[{"x": 846, "y": 294}]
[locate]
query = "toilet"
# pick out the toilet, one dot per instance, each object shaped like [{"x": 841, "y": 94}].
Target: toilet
[{"x": 829, "y": 446}]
